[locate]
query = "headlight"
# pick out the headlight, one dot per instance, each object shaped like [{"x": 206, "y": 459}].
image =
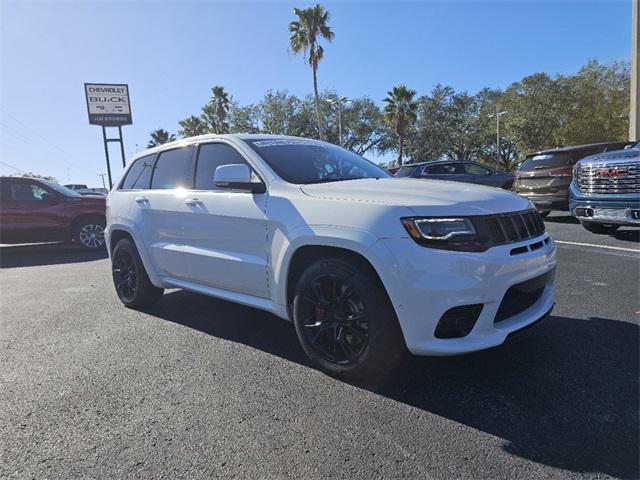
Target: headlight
[{"x": 445, "y": 233}]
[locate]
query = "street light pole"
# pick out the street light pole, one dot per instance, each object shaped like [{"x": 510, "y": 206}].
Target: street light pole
[
  {"x": 498, "y": 115},
  {"x": 339, "y": 101}
]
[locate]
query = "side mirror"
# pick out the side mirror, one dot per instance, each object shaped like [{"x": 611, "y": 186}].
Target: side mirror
[{"x": 238, "y": 177}]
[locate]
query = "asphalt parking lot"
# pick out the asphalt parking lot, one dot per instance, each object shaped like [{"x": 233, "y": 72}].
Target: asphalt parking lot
[{"x": 200, "y": 388}]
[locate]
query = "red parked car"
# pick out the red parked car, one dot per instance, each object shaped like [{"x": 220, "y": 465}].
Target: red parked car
[{"x": 34, "y": 210}]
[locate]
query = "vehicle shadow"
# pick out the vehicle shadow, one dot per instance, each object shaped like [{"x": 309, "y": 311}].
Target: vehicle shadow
[
  {"x": 564, "y": 395},
  {"x": 560, "y": 217},
  {"x": 12, "y": 256},
  {"x": 627, "y": 235}
]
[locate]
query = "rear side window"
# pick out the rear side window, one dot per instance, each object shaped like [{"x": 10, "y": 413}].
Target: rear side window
[
  {"x": 445, "y": 169},
  {"x": 210, "y": 157},
  {"x": 173, "y": 170},
  {"x": 139, "y": 174},
  {"x": 475, "y": 169}
]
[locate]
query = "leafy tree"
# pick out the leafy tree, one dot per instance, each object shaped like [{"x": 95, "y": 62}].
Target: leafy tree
[
  {"x": 37, "y": 175},
  {"x": 215, "y": 113},
  {"x": 535, "y": 112},
  {"x": 159, "y": 137},
  {"x": 595, "y": 104},
  {"x": 245, "y": 119},
  {"x": 192, "y": 126},
  {"x": 279, "y": 111},
  {"x": 400, "y": 112},
  {"x": 310, "y": 26},
  {"x": 363, "y": 126}
]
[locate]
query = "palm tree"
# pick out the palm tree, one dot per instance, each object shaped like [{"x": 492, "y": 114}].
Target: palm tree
[
  {"x": 192, "y": 126},
  {"x": 216, "y": 111},
  {"x": 160, "y": 136},
  {"x": 400, "y": 112},
  {"x": 310, "y": 26}
]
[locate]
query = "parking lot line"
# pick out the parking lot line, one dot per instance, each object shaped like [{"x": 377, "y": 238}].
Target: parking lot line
[{"x": 607, "y": 247}]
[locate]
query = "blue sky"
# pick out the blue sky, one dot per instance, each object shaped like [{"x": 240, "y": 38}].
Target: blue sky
[{"x": 171, "y": 53}]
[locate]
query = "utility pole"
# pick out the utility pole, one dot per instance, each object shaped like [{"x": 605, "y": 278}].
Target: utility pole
[
  {"x": 634, "y": 110},
  {"x": 339, "y": 101},
  {"x": 102, "y": 175}
]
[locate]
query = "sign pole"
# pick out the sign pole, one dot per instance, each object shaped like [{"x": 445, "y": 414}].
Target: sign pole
[
  {"x": 106, "y": 153},
  {"x": 121, "y": 146}
]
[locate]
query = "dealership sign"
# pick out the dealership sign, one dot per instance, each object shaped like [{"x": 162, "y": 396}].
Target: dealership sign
[{"x": 108, "y": 104}]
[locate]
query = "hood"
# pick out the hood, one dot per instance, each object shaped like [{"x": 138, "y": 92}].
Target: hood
[
  {"x": 630, "y": 154},
  {"x": 424, "y": 197}
]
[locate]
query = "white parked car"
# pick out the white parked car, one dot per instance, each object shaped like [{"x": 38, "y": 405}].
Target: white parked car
[{"x": 365, "y": 265}]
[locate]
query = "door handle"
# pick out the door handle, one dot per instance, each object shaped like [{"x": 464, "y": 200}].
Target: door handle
[
  {"x": 193, "y": 202},
  {"x": 142, "y": 200}
]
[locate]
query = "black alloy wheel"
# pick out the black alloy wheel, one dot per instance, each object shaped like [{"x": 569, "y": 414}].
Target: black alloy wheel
[
  {"x": 125, "y": 275},
  {"x": 335, "y": 320}
]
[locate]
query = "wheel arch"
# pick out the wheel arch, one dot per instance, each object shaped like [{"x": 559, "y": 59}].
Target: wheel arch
[
  {"x": 115, "y": 233},
  {"x": 78, "y": 219},
  {"x": 305, "y": 255}
]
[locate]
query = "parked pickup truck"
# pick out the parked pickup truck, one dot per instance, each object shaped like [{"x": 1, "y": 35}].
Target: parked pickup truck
[
  {"x": 34, "y": 210},
  {"x": 605, "y": 192}
]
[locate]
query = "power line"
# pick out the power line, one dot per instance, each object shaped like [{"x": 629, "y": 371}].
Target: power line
[
  {"x": 15, "y": 168},
  {"x": 34, "y": 131},
  {"x": 29, "y": 141}
]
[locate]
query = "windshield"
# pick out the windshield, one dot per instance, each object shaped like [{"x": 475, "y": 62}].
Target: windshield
[
  {"x": 303, "y": 161},
  {"x": 60, "y": 189}
]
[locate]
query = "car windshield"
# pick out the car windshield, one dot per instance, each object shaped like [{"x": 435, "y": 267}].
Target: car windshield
[
  {"x": 302, "y": 161},
  {"x": 61, "y": 189}
]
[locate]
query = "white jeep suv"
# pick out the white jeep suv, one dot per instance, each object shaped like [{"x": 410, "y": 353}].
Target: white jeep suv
[{"x": 365, "y": 265}]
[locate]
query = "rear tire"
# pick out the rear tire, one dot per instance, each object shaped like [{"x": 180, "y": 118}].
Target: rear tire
[
  {"x": 88, "y": 233},
  {"x": 130, "y": 278},
  {"x": 345, "y": 321},
  {"x": 600, "y": 228}
]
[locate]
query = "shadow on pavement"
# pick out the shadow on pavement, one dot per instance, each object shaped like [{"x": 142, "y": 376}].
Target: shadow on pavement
[
  {"x": 46, "y": 254},
  {"x": 627, "y": 234},
  {"x": 564, "y": 395},
  {"x": 561, "y": 217}
]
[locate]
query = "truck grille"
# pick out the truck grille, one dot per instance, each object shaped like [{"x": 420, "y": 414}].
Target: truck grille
[{"x": 618, "y": 177}]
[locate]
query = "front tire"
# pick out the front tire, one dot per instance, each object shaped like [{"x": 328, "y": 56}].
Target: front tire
[
  {"x": 130, "y": 278},
  {"x": 600, "y": 228},
  {"x": 345, "y": 321}
]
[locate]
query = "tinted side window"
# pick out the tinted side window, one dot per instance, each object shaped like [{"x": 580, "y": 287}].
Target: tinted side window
[
  {"x": 25, "y": 192},
  {"x": 139, "y": 174},
  {"x": 172, "y": 169},
  {"x": 476, "y": 169},
  {"x": 446, "y": 169},
  {"x": 210, "y": 157}
]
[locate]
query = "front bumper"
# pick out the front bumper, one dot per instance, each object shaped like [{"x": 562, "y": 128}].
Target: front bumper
[
  {"x": 424, "y": 283},
  {"x": 614, "y": 209}
]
